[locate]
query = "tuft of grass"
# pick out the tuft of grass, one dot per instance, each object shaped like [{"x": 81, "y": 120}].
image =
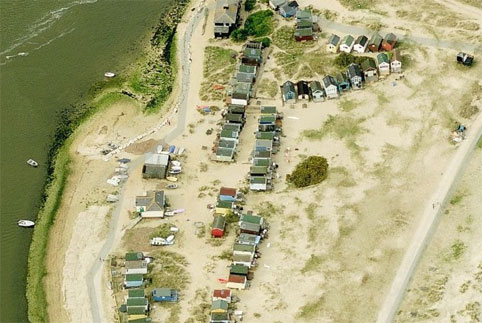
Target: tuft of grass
[
  {"x": 268, "y": 87},
  {"x": 346, "y": 105},
  {"x": 340, "y": 127},
  {"x": 163, "y": 231},
  {"x": 457, "y": 198},
  {"x": 310, "y": 210},
  {"x": 479, "y": 143},
  {"x": 312, "y": 264},
  {"x": 267, "y": 209},
  {"x": 311, "y": 309},
  {"x": 458, "y": 248},
  {"x": 357, "y": 4}
]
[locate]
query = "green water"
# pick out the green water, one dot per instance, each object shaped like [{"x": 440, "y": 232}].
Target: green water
[{"x": 68, "y": 45}]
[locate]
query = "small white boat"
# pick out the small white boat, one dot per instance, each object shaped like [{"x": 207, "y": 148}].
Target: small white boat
[
  {"x": 171, "y": 186},
  {"x": 109, "y": 74},
  {"x": 32, "y": 163},
  {"x": 25, "y": 223}
]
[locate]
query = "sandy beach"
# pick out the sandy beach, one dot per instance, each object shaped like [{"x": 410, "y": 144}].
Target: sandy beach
[{"x": 340, "y": 242}]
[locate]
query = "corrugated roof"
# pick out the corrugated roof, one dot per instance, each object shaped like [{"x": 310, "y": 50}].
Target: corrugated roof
[
  {"x": 218, "y": 222},
  {"x": 226, "y": 16},
  {"x": 382, "y": 58},
  {"x": 334, "y": 39},
  {"x": 156, "y": 159},
  {"x": 348, "y": 40},
  {"x": 228, "y": 191}
]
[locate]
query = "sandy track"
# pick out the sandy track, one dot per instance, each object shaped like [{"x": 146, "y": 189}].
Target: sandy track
[{"x": 429, "y": 222}]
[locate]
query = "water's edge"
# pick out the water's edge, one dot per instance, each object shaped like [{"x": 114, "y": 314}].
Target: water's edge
[{"x": 58, "y": 165}]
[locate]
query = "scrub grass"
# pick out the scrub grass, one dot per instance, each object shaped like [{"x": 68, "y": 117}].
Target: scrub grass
[
  {"x": 341, "y": 127},
  {"x": 219, "y": 66},
  {"x": 311, "y": 309},
  {"x": 312, "y": 264},
  {"x": 36, "y": 298},
  {"x": 357, "y": 4},
  {"x": 268, "y": 87}
]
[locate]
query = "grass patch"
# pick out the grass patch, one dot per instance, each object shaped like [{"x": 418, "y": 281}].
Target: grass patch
[
  {"x": 267, "y": 209},
  {"x": 169, "y": 271},
  {"x": 311, "y": 309},
  {"x": 163, "y": 231},
  {"x": 457, "y": 198},
  {"x": 268, "y": 87},
  {"x": 284, "y": 39},
  {"x": 357, "y": 4},
  {"x": 346, "y": 105},
  {"x": 467, "y": 110},
  {"x": 310, "y": 211},
  {"x": 341, "y": 177},
  {"x": 473, "y": 3},
  {"x": 340, "y": 127},
  {"x": 258, "y": 24},
  {"x": 219, "y": 66},
  {"x": 37, "y": 302},
  {"x": 312, "y": 264},
  {"x": 457, "y": 249},
  {"x": 479, "y": 143}
]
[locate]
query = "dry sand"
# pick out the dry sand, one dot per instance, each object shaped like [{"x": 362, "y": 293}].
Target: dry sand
[
  {"x": 447, "y": 286},
  {"x": 339, "y": 242}
]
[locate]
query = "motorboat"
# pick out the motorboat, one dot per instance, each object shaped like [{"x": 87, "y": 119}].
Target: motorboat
[
  {"x": 109, "y": 74},
  {"x": 25, "y": 223},
  {"x": 32, "y": 163},
  {"x": 171, "y": 186},
  {"x": 171, "y": 178}
]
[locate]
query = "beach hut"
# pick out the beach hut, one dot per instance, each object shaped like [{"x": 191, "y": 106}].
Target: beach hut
[
  {"x": 303, "y": 90},
  {"x": 219, "y": 306},
  {"x": 222, "y": 294},
  {"x": 239, "y": 270},
  {"x": 342, "y": 81},
  {"x": 369, "y": 68},
  {"x": 151, "y": 205},
  {"x": 136, "y": 267},
  {"x": 288, "y": 92},
  {"x": 133, "y": 280},
  {"x": 355, "y": 76},
  {"x": 243, "y": 249},
  {"x": 375, "y": 42},
  {"x": 228, "y": 194},
  {"x": 396, "y": 62},
  {"x": 361, "y": 44},
  {"x": 219, "y": 223},
  {"x": 136, "y": 293},
  {"x": 132, "y": 256},
  {"x": 331, "y": 87},
  {"x": 155, "y": 165},
  {"x": 317, "y": 92},
  {"x": 236, "y": 282},
  {"x": 383, "y": 64},
  {"x": 219, "y": 317},
  {"x": 389, "y": 42},
  {"x": 347, "y": 44},
  {"x": 332, "y": 44},
  {"x": 164, "y": 295}
]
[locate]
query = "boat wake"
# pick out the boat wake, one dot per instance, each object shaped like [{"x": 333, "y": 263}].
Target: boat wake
[
  {"x": 22, "y": 54},
  {"x": 43, "y": 24}
]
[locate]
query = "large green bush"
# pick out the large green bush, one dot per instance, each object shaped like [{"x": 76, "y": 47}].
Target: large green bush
[
  {"x": 313, "y": 170},
  {"x": 249, "y": 5},
  {"x": 258, "y": 24}
]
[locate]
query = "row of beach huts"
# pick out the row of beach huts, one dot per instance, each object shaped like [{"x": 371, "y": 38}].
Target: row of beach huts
[
  {"x": 251, "y": 230},
  {"x": 136, "y": 307},
  {"x": 353, "y": 78},
  {"x": 239, "y": 95},
  {"x": 268, "y": 140}
]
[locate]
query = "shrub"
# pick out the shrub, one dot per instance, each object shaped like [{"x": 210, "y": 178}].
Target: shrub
[
  {"x": 344, "y": 59},
  {"x": 313, "y": 170},
  {"x": 266, "y": 41},
  {"x": 239, "y": 35},
  {"x": 259, "y": 23},
  {"x": 249, "y": 5}
]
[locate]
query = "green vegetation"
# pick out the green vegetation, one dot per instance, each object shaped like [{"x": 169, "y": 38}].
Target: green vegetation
[
  {"x": 346, "y": 105},
  {"x": 170, "y": 270},
  {"x": 474, "y": 3},
  {"x": 249, "y": 5},
  {"x": 344, "y": 59},
  {"x": 268, "y": 87},
  {"x": 311, "y": 171},
  {"x": 258, "y": 24},
  {"x": 457, "y": 198},
  {"x": 267, "y": 209},
  {"x": 37, "y": 302},
  {"x": 284, "y": 39},
  {"x": 310, "y": 211},
  {"x": 357, "y": 4},
  {"x": 58, "y": 160},
  {"x": 340, "y": 126},
  {"x": 154, "y": 79},
  {"x": 479, "y": 143},
  {"x": 457, "y": 249},
  {"x": 312, "y": 264},
  {"x": 219, "y": 66},
  {"x": 311, "y": 309},
  {"x": 163, "y": 231},
  {"x": 467, "y": 110}
]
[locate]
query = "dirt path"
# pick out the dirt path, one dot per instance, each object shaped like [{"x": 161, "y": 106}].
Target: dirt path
[
  {"x": 429, "y": 222},
  {"x": 94, "y": 278}
]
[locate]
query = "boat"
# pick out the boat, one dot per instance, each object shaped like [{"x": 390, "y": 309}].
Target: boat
[
  {"x": 32, "y": 163},
  {"x": 171, "y": 186},
  {"x": 171, "y": 178},
  {"x": 25, "y": 223},
  {"x": 109, "y": 74}
]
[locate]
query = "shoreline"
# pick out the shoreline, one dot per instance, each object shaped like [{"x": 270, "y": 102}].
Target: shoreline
[{"x": 59, "y": 157}]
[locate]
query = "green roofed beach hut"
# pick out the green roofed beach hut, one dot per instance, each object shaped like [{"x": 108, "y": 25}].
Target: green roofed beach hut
[
  {"x": 136, "y": 293},
  {"x": 132, "y": 256}
]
